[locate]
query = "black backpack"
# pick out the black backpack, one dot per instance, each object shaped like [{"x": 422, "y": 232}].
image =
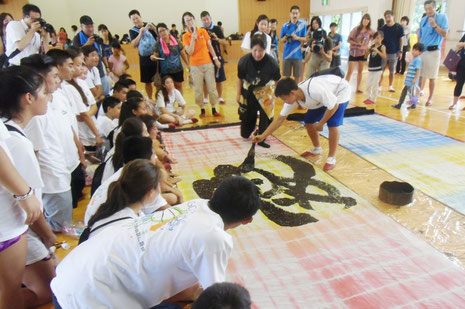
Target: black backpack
[
  {"x": 331, "y": 71},
  {"x": 98, "y": 175}
]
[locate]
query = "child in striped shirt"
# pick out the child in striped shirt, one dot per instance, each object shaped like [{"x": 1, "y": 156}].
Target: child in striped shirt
[{"x": 411, "y": 80}]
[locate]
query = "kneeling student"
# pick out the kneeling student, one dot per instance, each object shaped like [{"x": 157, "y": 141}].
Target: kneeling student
[{"x": 139, "y": 263}]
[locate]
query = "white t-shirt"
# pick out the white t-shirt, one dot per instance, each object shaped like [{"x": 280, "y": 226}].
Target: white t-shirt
[
  {"x": 86, "y": 135},
  {"x": 139, "y": 263},
  {"x": 93, "y": 78},
  {"x": 125, "y": 212},
  {"x": 46, "y": 129},
  {"x": 324, "y": 90},
  {"x": 12, "y": 216},
  {"x": 15, "y": 31},
  {"x": 105, "y": 125},
  {"x": 246, "y": 43},
  {"x": 70, "y": 92},
  {"x": 100, "y": 196},
  {"x": 176, "y": 96},
  {"x": 61, "y": 104}
]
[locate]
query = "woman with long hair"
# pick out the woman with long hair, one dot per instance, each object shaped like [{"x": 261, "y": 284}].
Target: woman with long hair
[
  {"x": 23, "y": 95},
  {"x": 261, "y": 24},
  {"x": 138, "y": 185},
  {"x": 107, "y": 40},
  {"x": 5, "y": 18},
  {"x": 359, "y": 39}
]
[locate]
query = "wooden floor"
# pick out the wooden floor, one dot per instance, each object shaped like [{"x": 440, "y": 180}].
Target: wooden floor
[{"x": 420, "y": 214}]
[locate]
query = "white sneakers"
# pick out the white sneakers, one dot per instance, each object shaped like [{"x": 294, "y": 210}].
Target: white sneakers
[{"x": 391, "y": 89}]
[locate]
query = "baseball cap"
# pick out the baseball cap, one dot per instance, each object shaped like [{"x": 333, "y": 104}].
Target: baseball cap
[{"x": 86, "y": 20}]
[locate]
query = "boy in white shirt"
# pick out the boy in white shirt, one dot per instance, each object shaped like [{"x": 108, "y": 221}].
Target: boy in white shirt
[
  {"x": 139, "y": 263},
  {"x": 326, "y": 98},
  {"x": 111, "y": 106},
  {"x": 91, "y": 58}
]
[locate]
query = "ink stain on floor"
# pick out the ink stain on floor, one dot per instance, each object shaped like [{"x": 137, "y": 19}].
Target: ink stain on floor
[{"x": 294, "y": 188}]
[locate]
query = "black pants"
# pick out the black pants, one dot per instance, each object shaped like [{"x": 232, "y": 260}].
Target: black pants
[
  {"x": 78, "y": 182},
  {"x": 400, "y": 67},
  {"x": 459, "y": 78},
  {"x": 407, "y": 90},
  {"x": 249, "y": 119}
]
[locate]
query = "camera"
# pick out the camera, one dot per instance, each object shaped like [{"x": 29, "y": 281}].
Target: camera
[
  {"x": 46, "y": 26},
  {"x": 288, "y": 38},
  {"x": 98, "y": 39},
  {"x": 318, "y": 38}
]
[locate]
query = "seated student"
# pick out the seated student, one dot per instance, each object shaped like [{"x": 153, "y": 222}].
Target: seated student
[
  {"x": 120, "y": 90},
  {"x": 118, "y": 64},
  {"x": 106, "y": 123},
  {"x": 223, "y": 295},
  {"x": 133, "y": 107},
  {"x": 129, "y": 82},
  {"x": 152, "y": 129},
  {"x": 114, "y": 159},
  {"x": 161, "y": 257},
  {"x": 91, "y": 60},
  {"x": 23, "y": 95},
  {"x": 83, "y": 102},
  {"x": 134, "y": 147},
  {"x": 167, "y": 97}
]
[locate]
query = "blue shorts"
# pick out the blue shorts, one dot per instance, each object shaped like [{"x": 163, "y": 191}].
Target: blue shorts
[{"x": 315, "y": 115}]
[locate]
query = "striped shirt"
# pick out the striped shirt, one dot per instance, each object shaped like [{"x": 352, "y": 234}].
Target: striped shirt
[{"x": 412, "y": 70}]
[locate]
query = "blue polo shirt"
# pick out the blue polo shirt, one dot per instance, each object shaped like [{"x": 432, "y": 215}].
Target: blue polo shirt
[
  {"x": 292, "y": 49},
  {"x": 428, "y": 35}
]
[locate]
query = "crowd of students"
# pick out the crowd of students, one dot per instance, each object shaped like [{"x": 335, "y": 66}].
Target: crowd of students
[{"x": 57, "y": 105}]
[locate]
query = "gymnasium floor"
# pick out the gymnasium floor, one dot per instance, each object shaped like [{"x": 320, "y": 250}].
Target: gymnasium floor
[{"x": 440, "y": 226}]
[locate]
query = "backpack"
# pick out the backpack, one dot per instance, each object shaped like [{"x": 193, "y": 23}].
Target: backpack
[
  {"x": 331, "y": 71},
  {"x": 98, "y": 175},
  {"x": 146, "y": 44},
  {"x": 86, "y": 232},
  {"x": 5, "y": 60}
]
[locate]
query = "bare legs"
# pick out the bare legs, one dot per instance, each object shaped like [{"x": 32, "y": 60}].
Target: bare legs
[
  {"x": 149, "y": 90},
  {"x": 12, "y": 266},
  {"x": 350, "y": 70}
]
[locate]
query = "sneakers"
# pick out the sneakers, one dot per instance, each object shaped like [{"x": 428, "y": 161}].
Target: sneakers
[
  {"x": 330, "y": 164},
  {"x": 368, "y": 101},
  {"x": 194, "y": 120},
  {"x": 205, "y": 100},
  {"x": 215, "y": 113},
  {"x": 429, "y": 103},
  {"x": 422, "y": 93},
  {"x": 221, "y": 101},
  {"x": 380, "y": 88},
  {"x": 391, "y": 89},
  {"x": 312, "y": 152},
  {"x": 398, "y": 106},
  {"x": 413, "y": 106}
]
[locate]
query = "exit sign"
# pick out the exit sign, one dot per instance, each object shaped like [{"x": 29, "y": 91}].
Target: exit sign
[{"x": 324, "y": 2}]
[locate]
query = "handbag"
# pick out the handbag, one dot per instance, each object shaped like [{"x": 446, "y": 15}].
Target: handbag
[
  {"x": 452, "y": 60},
  {"x": 157, "y": 77}
]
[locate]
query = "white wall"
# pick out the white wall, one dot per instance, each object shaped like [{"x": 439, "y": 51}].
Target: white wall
[
  {"x": 456, "y": 15},
  {"x": 114, "y": 13},
  {"x": 375, "y": 8}
]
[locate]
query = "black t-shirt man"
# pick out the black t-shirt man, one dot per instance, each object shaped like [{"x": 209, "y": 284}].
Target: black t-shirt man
[{"x": 215, "y": 43}]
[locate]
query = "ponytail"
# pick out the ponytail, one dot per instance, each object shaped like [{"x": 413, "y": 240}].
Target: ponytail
[
  {"x": 131, "y": 126},
  {"x": 137, "y": 179}
]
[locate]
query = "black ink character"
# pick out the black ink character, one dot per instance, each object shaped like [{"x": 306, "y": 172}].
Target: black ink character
[{"x": 294, "y": 187}]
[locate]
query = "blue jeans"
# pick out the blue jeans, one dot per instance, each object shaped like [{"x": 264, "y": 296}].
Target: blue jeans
[{"x": 58, "y": 209}]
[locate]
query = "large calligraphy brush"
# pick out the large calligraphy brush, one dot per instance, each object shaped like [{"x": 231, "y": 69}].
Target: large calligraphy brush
[{"x": 249, "y": 163}]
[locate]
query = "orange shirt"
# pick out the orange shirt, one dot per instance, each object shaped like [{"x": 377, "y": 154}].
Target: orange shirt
[{"x": 201, "y": 54}]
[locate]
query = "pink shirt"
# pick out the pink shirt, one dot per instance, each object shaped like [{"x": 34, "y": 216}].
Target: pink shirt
[{"x": 363, "y": 37}]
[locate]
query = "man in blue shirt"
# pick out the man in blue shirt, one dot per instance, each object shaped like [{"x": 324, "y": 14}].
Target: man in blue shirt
[
  {"x": 393, "y": 33},
  {"x": 293, "y": 35},
  {"x": 433, "y": 28},
  {"x": 337, "y": 42}
]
